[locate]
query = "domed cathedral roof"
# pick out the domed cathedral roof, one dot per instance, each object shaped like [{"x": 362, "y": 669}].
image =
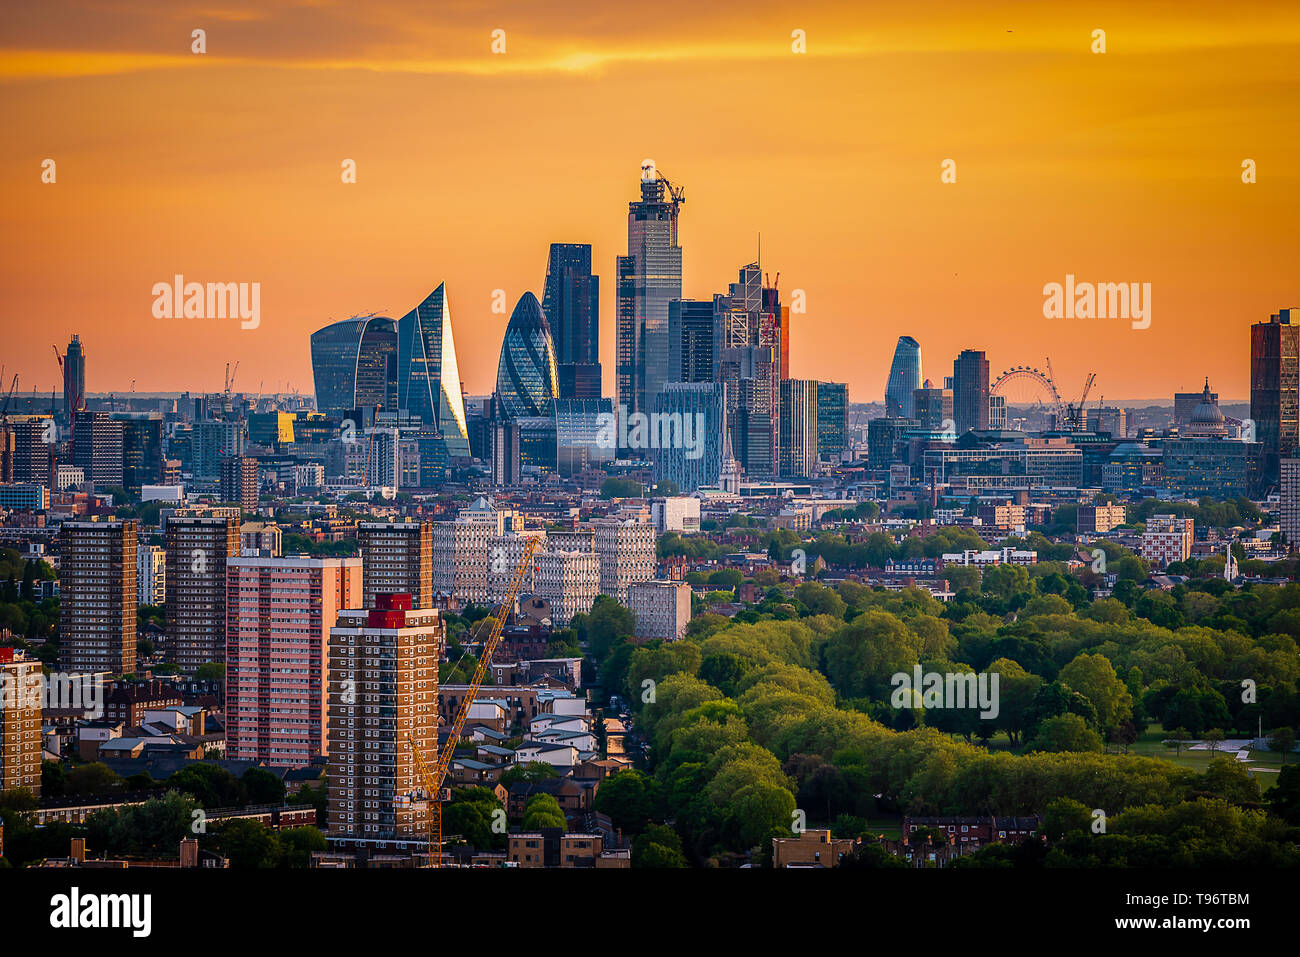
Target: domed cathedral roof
[{"x": 1206, "y": 418}]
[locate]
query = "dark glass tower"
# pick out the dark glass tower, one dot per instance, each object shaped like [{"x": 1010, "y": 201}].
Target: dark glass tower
[
  {"x": 649, "y": 278},
  {"x": 690, "y": 341},
  {"x": 527, "y": 382},
  {"x": 74, "y": 379},
  {"x": 970, "y": 391},
  {"x": 571, "y": 302},
  {"x": 1275, "y": 392},
  {"x": 904, "y": 378},
  {"x": 354, "y": 364}
]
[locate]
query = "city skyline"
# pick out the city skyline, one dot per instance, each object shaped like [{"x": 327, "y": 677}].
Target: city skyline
[{"x": 1117, "y": 167}]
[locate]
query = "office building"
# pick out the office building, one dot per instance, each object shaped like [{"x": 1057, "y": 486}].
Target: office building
[
  {"x": 428, "y": 380},
  {"x": 571, "y": 303},
  {"x": 832, "y": 419},
  {"x": 198, "y": 546},
  {"x": 691, "y": 335},
  {"x": 970, "y": 391},
  {"x": 747, "y": 361},
  {"x": 279, "y": 612},
  {"x": 142, "y": 456},
  {"x": 662, "y": 609},
  {"x": 1203, "y": 461},
  {"x": 798, "y": 443},
  {"x": 627, "y": 554},
  {"x": 675, "y": 513},
  {"x": 932, "y": 407},
  {"x": 20, "y": 721},
  {"x": 526, "y": 376},
  {"x": 97, "y": 448},
  {"x": 507, "y": 460},
  {"x": 34, "y": 439},
  {"x": 239, "y": 484},
  {"x": 97, "y": 596},
  {"x": 649, "y": 277},
  {"x": 398, "y": 559},
  {"x": 585, "y": 436},
  {"x": 151, "y": 575},
  {"x": 354, "y": 365},
  {"x": 1275, "y": 392},
  {"x": 882, "y": 435},
  {"x": 1099, "y": 519},
  {"x": 904, "y": 379},
  {"x": 998, "y": 412},
  {"x": 382, "y": 704},
  {"x": 1185, "y": 403},
  {"x": 701, "y": 408},
  {"x": 214, "y": 440},
  {"x": 567, "y": 580}
]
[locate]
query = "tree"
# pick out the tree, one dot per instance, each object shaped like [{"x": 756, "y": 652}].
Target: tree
[
  {"x": 631, "y": 799},
  {"x": 615, "y": 487},
  {"x": 1214, "y": 736},
  {"x": 248, "y": 844},
  {"x": 607, "y": 625},
  {"x": 94, "y": 778},
  {"x": 658, "y": 846},
  {"x": 1283, "y": 741},
  {"x": 471, "y": 814},
  {"x": 1093, "y": 676},
  {"x": 263, "y": 786},
  {"x": 1066, "y": 732},
  {"x": 297, "y": 845},
  {"x": 1065, "y": 816},
  {"x": 1229, "y": 779},
  {"x": 542, "y": 810}
]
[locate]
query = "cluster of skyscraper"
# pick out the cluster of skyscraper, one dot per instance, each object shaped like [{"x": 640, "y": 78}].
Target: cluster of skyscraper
[{"x": 721, "y": 366}]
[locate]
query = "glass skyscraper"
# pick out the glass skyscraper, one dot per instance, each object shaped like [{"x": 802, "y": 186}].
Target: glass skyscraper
[
  {"x": 408, "y": 366},
  {"x": 354, "y": 364},
  {"x": 691, "y": 340},
  {"x": 832, "y": 419},
  {"x": 526, "y": 374},
  {"x": 970, "y": 391},
  {"x": 571, "y": 302},
  {"x": 904, "y": 378},
  {"x": 698, "y": 463},
  {"x": 649, "y": 277},
  {"x": 428, "y": 379},
  {"x": 581, "y": 435}
]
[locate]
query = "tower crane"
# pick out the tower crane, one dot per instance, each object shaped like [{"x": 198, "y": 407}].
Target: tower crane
[
  {"x": 431, "y": 778},
  {"x": 4, "y": 409}
]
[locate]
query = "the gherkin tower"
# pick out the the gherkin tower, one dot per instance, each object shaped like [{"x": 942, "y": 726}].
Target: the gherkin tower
[{"x": 527, "y": 380}]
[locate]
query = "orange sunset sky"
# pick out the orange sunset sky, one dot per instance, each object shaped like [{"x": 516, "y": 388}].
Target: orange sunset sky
[{"x": 225, "y": 166}]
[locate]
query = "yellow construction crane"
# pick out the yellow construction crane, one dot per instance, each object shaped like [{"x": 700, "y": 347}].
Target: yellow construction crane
[{"x": 431, "y": 780}]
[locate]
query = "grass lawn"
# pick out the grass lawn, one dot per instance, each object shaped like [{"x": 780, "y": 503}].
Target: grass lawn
[{"x": 1151, "y": 745}]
